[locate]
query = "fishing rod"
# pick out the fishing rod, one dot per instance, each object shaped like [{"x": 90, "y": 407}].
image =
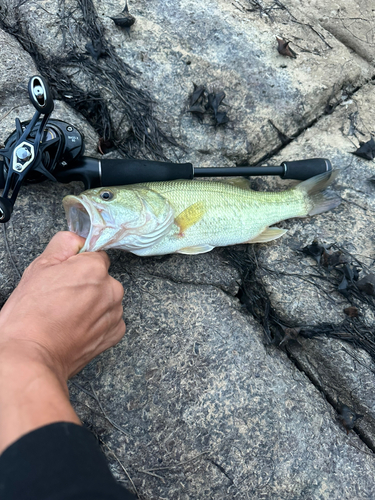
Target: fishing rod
[{"x": 45, "y": 148}]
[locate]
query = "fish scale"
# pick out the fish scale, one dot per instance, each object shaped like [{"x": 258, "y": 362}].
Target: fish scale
[{"x": 232, "y": 215}]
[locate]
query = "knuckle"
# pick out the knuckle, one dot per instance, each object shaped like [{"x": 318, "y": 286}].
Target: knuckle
[
  {"x": 119, "y": 332},
  {"x": 101, "y": 268},
  {"x": 41, "y": 261},
  {"x": 119, "y": 290},
  {"x": 122, "y": 328},
  {"x": 97, "y": 265},
  {"x": 67, "y": 236}
]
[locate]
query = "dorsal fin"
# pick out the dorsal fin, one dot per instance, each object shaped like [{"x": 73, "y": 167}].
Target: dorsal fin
[{"x": 240, "y": 182}]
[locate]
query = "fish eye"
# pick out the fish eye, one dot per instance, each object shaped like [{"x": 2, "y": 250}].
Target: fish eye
[{"x": 106, "y": 195}]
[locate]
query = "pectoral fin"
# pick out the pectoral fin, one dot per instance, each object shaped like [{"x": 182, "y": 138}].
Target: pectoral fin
[
  {"x": 196, "y": 249},
  {"x": 190, "y": 216},
  {"x": 269, "y": 234}
]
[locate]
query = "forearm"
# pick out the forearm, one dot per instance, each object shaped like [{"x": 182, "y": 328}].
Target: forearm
[{"x": 31, "y": 394}]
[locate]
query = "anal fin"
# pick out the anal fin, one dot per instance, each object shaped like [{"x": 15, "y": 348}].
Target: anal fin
[
  {"x": 195, "y": 249},
  {"x": 269, "y": 234}
]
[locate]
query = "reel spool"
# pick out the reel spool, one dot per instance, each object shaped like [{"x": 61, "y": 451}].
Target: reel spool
[{"x": 61, "y": 145}]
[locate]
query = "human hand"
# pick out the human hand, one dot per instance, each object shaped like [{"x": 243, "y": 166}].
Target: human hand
[{"x": 66, "y": 309}]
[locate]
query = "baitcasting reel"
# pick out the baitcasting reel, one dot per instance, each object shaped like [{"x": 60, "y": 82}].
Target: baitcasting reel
[{"x": 45, "y": 148}]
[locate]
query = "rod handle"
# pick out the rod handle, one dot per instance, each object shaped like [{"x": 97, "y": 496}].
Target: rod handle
[
  {"x": 119, "y": 172},
  {"x": 304, "y": 169}
]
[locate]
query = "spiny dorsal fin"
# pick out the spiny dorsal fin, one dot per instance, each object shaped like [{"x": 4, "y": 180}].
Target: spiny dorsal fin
[
  {"x": 269, "y": 234},
  {"x": 240, "y": 182},
  {"x": 190, "y": 216}
]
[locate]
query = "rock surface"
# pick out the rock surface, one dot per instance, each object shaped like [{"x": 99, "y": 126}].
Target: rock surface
[
  {"x": 353, "y": 23},
  {"x": 192, "y": 403},
  {"x": 342, "y": 372},
  {"x": 221, "y": 45}
]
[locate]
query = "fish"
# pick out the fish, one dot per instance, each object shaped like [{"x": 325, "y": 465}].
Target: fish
[{"x": 190, "y": 216}]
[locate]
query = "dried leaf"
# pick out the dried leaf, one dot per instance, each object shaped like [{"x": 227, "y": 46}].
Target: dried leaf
[
  {"x": 315, "y": 250},
  {"x": 95, "y": 49},
  {"x": 348, "y": 417},
  {"x": 221, "y": 118},
  {"x": 214, "y": 101},
  {"x": 284, "y": 49},
  {"x": 197, "y": 110},
  {"x": 343, "y": 287},
  {"x": 330, "y": 260},
  {"x": 198, "y": 94},
  {"x": 105, "y": 145},
  {"x": 201, "y": 104},
  {"x": 350, "y": 272},
  {"x": 366, "y": 150},
  {"x": 124, "y": 19},
  {"x": 351, "y": 311},
  {"x": 290, "y": 334},
  {"x": 367, "y": 284}
]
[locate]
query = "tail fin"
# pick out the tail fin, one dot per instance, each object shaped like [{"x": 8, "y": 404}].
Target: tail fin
[{"x": 317, "y": 202}]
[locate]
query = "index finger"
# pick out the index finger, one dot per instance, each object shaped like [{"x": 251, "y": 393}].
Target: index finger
[{"x": 101, "y": 255}]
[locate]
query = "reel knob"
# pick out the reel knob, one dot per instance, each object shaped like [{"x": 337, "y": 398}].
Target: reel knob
[
  {"x": 40, "y": 95},
  {"x": 6, "y": 209}
]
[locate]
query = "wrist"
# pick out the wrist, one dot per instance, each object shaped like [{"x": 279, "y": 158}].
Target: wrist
[
  {"x": 26, "y": 354},
  {"x": 32, "y": 394}
]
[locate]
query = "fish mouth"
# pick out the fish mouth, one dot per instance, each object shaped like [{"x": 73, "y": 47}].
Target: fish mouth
[{"x": 81, "y": 217}]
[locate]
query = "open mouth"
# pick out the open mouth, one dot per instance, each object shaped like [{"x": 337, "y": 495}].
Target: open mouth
[
  {"x": 79, "y": 220},
  {"x": 79, "y": 217}
]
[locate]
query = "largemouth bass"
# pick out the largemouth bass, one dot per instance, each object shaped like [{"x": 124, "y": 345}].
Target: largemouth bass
[{"x": 189, "y": 217}]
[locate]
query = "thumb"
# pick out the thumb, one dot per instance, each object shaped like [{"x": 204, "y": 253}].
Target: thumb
[{"x": 63, "y": 245}]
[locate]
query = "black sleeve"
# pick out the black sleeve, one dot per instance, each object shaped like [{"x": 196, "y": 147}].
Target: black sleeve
[{"x": 61, "y": 461}]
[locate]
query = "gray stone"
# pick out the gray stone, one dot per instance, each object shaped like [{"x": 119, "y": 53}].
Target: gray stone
[
  {"x": 220, "y": 45},
  {"x": 353, "y": 23},
  {"x": 17, "y": 68},
  {"x": 345, "y": 374},
  {"x": 204, "y": 406},
  {"x": 350, "y": 225}
]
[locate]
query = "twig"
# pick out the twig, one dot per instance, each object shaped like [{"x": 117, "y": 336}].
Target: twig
[
  {"x": 179, "y": 464},
  {"x": 10, "y": 254},
  {"x": 121, "y": 465},
  {"x": 151, "y": 474},
  {"x": 76, "y": 401},
  {"x": 12, "y": 109},
  {"x": 359, "y": 449},
  {"x": 105, "y": 414},
  {"x": 94, "y": 396}
]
